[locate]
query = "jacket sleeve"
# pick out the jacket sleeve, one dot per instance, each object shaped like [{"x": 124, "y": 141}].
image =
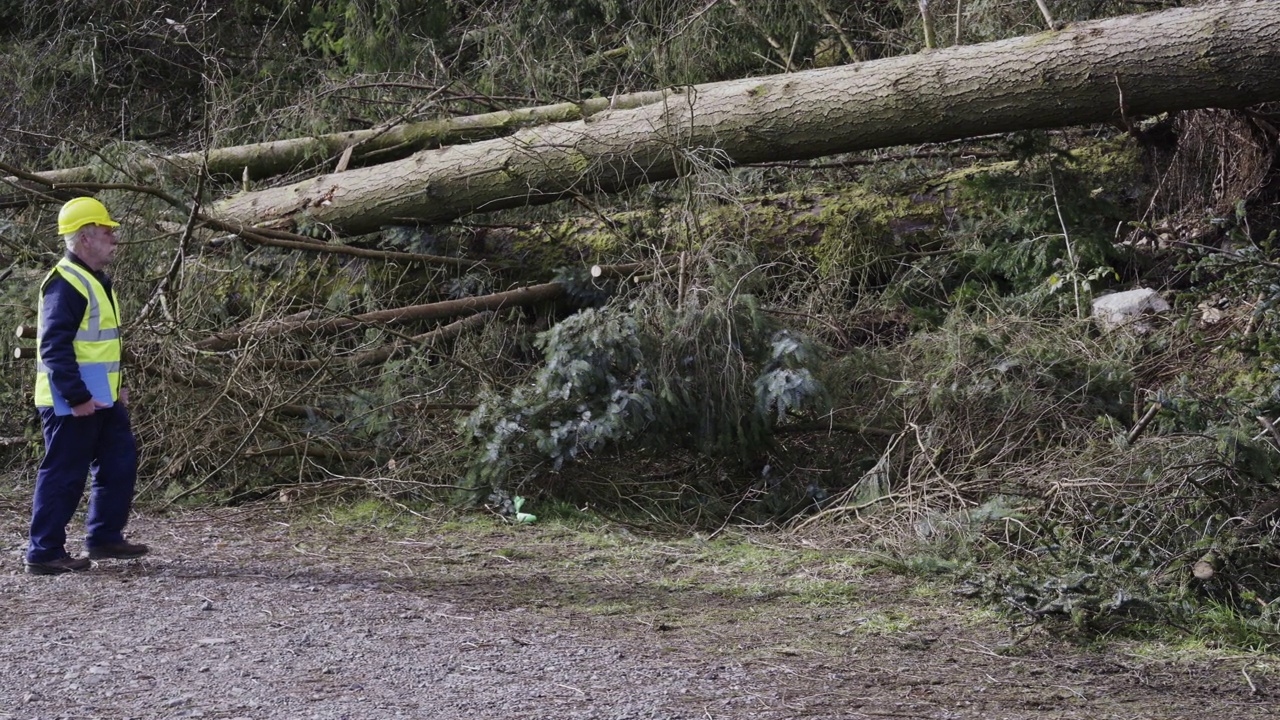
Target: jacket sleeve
[{"x": 64, "y": 308}]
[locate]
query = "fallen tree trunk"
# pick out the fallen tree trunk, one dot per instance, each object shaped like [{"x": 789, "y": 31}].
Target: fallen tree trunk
[
  {"x": 267, "y": 159},
  {"x": 1219, "y": 55},
  {"x": 817, "y": 224},
  {"x": 429, "y": 311}
]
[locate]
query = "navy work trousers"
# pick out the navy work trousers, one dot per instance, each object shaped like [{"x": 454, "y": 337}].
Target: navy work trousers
[{"x": 100, "y": 444}]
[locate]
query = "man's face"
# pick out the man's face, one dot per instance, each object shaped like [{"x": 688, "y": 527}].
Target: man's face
[{"x": 98, "y": 246}]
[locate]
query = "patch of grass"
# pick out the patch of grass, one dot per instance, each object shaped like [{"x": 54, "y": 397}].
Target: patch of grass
[
  {"x": 474, "y": 524},
  {"x": 1231, "y": 627},
  {"x": 515, "y": 554},
  {"x": 921, "y": 564},
  {"x": 929, "y": 590},
  {"x": 884, "y": 622},
  {"x": 677, "y": 584},
  {"x": 611, "y": 608},
  {"x": 371, "y": 514},
  {"x": 983, "y": 616},
  {"x": 825, "y": 593},
  {"x": 1261, "y": 664},
  {"x": 752, "y": 590},
  {"x": 565, "y": 514}
]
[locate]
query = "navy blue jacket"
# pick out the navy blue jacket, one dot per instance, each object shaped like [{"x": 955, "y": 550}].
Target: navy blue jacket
[{"x": 64, "y": 308}]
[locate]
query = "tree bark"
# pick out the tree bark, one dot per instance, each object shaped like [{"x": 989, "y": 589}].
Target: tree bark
[
  {"x": 267, "y": 159},
  {"x": 1218, "y": 55}
]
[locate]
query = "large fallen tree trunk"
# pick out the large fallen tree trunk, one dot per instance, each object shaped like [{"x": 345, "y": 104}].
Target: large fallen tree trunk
[
  {"x": 1219, "y": 55},
  {"x": 261, "y": 160}
]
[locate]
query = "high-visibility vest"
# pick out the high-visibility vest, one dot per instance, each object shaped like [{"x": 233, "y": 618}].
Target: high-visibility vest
[{"x": 97, "y": 341}]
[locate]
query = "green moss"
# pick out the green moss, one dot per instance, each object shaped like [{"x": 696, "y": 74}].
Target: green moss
[
  {"x": 833, "y": 230},
  {"x": 1110, "y": 164},
  {"x": 1040, "y": 39},
  {"x": 371, "y": 514},
  {"x": 1113, "y": 162},
  {"x": 854, "y": 228},
  {"x": 958, "y": 177}
]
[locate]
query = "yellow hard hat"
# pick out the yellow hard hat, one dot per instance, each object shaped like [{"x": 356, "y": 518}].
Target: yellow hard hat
[{"x": 83, "y": 211}]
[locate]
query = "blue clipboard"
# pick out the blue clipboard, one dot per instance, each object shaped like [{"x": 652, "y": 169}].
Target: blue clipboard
[{"x": 96, "y": 379}]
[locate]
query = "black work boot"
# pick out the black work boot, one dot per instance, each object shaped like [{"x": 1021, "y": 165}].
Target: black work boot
[
  {"x": 57, "y": 566},
  {"x": 123, "y": 550}
]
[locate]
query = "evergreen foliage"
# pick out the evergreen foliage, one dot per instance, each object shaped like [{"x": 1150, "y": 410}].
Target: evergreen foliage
[{"x": 710, "y": 373}]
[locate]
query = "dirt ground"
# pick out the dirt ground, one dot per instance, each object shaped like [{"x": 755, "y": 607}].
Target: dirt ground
[{"x": 262, "y": 613}]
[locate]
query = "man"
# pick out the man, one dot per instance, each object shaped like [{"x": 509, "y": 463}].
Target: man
[{"x": 82, "y": 406}]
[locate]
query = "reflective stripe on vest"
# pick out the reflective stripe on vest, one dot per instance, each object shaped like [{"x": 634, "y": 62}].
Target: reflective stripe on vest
[
  {"x": 94, "y": 333},
  {"x": 97, "y": 341},
  {"x": 112, "y": 367}
]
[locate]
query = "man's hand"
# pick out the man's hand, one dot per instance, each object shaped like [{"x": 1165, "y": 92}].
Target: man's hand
[
  {"x": 124, "y": 396},
  {"x": 88, "y": 407}
]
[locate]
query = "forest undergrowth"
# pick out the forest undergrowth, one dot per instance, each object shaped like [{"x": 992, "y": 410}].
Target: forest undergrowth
[{"x": 914, "y": 372}]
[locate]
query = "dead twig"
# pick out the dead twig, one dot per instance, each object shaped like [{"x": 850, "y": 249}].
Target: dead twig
[
  {"x": 1142, "y": 423},
  {"x": 1048, "y": 16}
]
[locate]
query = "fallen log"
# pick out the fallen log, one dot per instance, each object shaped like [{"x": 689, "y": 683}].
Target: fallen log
[
  {"x": 261, "y": 236},
  {"x": 1217, "y": 55},
  {"x": 267, "y": 159},
  {"x": 804, "y": 222}
]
